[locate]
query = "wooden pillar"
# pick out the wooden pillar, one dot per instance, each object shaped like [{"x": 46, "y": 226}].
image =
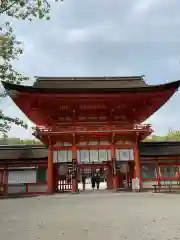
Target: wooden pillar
[
  {"x": 109, "y": 178},
  {"x": 74, "y": 167},
  {"x": 113, "y": 158},
  {"x": 157, "y": 172},
  {"x": 137, "y": 162},
  {"x": 50, "y": 171}
]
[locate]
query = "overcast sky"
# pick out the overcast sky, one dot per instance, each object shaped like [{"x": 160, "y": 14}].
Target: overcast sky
[{"x": 105, "y": 38}]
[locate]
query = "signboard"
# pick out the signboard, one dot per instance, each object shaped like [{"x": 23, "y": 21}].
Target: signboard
[
  {"x": 62, "y": 169},
  {"x": 74, "y": 168}
]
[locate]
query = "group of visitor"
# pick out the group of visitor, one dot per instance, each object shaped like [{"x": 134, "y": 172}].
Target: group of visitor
[{"x": 95, "y": 180}]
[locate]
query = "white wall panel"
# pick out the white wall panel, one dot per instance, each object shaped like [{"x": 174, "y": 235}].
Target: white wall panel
[
  {"x": 69, "y": 156},
  {"x": 109, "y": 154},
  {"x": 84, "y": 156},
  {"x": 37, "y": 188},
  {"x": 62, "y": 156},
  {"x": 148, "y": 184},
  {"x": 16, "y": 189},
  {"x": 103, "y": 155},
  {"x": 124, "y": 155},
  {"x": 94, "y": 156},
  {"x": 26, "y": 176},
  {"x": 55, "y": 156}
]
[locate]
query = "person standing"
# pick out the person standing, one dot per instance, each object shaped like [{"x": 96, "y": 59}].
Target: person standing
[
  {"x": 93, "y": 181},
  {"x": 97, "y": 179},
  {"x": 83, "y": 181}
]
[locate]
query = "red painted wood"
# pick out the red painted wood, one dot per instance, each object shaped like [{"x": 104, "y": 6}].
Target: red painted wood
[
  {"x": 91, "y": 165},
  {"x": 46, "y": 112}
]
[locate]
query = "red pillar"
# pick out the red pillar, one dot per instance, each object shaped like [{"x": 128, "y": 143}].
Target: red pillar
[
  {"x": 74, "y": 169},
  {"x": 114, "y": 177},
  {"x": 50, "y": 171},
  {"x": 137, "y": 164},
  {"x": 109, "y": 178}
]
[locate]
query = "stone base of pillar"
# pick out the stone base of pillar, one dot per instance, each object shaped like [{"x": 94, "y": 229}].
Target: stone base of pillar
[
  {"x": 109, "y": 183},
  {"x": 74, "y": 186},
  {"x": 114, "y": 183}
]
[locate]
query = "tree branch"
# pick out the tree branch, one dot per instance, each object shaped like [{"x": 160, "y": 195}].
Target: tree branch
[{"x": 7, "y": 8}]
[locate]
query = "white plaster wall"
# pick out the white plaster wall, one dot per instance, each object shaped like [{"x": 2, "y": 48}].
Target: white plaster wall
[
  {"x": 26, "y": 176},
  {"x": 16, "y": 189}
]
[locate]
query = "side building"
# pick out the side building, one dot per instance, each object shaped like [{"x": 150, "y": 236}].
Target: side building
[{"x": 23, "y": 168}]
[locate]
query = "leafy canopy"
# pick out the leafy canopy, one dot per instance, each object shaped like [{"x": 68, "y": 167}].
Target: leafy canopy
[
  {"x": 11, "y": 49},
  {"x": 26, "y": 9}
]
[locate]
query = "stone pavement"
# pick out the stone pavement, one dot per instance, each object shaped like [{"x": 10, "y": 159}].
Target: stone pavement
[{"x": 97, "y": 215}]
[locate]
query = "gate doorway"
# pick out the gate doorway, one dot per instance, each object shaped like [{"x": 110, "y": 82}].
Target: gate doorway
[
  {"x": 124, "y": 175},
  {"x": 87, "y": 171},
  {"x": 63, "y": 177}
]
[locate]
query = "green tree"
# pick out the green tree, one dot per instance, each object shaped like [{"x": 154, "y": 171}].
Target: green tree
[
  {"x": 23, "y": 9},
  {"x": 11, "y": 48},
  {"x": 172, "y": 135}
]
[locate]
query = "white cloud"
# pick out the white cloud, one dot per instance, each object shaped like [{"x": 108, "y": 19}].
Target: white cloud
[{"x": 142, "y": 7}]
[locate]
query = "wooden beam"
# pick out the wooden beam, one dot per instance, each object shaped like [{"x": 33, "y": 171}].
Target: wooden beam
[{"x": 50, "y": 168}]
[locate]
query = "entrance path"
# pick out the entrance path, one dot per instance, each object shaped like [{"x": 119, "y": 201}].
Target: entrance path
[{"x": 99, "y": 215}]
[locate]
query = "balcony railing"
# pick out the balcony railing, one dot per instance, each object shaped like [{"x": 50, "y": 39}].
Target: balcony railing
[{"x": 95, "y": 128}]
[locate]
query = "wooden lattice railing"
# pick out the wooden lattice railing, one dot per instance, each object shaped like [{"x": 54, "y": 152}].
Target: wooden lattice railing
[{"x": 94, "y": 128}]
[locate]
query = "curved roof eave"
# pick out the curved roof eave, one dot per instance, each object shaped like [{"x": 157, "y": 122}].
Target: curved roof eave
[{"x": 22, "y": 88}]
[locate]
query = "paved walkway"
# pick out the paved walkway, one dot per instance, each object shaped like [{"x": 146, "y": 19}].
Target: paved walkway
[{"x": 99, "y": 215}]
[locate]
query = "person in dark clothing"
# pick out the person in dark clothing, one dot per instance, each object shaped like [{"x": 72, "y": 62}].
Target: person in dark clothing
[
  {"x": 93, "y": 181},
  {"x": 97, "y": 179},
  {"x": 83, "y": 181}
]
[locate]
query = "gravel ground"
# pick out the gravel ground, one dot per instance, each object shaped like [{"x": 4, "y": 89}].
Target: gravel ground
[{"x": 95, "y": 215}]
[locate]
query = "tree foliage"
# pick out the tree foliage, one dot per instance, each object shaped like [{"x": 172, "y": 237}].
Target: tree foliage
[
  {"x": 26, "y": 9},
  {"x": 172, "y": 135},
  {"x": 11, "y": 49}
]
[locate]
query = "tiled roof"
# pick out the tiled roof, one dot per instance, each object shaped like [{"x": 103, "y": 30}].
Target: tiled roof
[
  {"x": 89, "y": 82},
  {"x": 88, "y": 85},
  {"x": 160, "y": 148},
  {"x": 25, "y": 152},
  {"x": 22, "y": 152}
]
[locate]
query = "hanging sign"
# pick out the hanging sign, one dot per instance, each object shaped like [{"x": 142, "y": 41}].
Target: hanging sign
[
  {"x": 62, "y": 169},
  {"x": 74, "y": 168}
]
